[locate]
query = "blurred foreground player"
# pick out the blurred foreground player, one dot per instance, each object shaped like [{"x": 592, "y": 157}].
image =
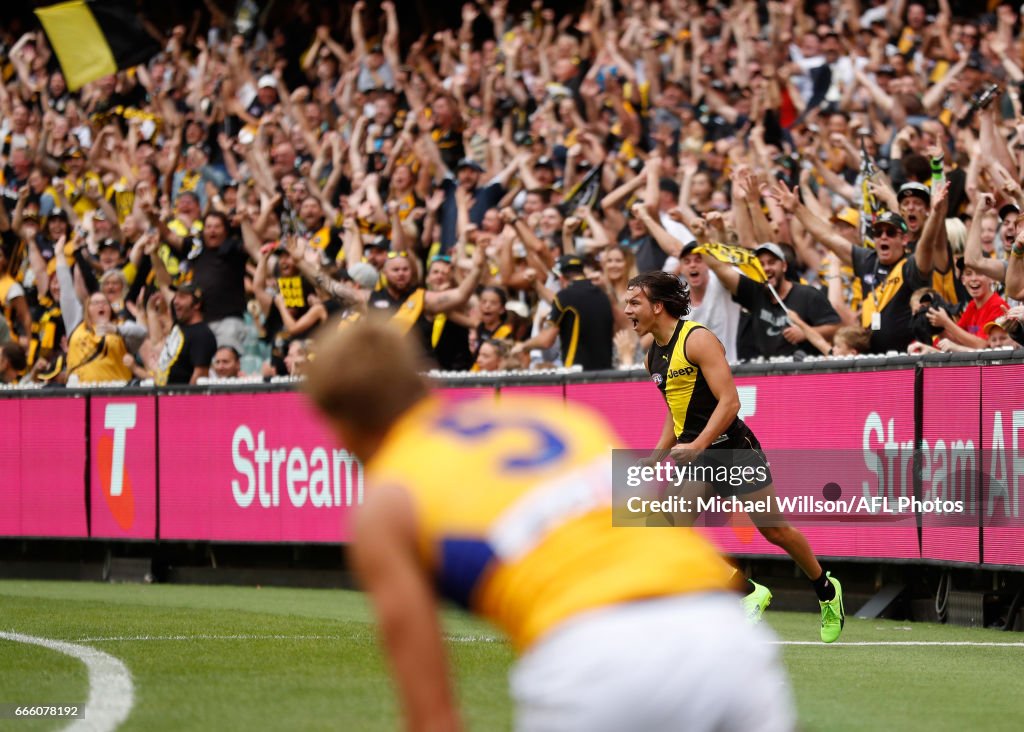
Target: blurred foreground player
[
  {"x": 505, "y": 508},
  {"x": 688, "y": 364}
]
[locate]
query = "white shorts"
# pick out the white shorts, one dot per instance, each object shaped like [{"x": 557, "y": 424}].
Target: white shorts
[{"x": 687, "y": 662}]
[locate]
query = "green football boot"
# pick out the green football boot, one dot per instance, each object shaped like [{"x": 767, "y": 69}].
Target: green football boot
[
  {"x": 756, "y": 602},
  {"x": 832, "y": 614}
]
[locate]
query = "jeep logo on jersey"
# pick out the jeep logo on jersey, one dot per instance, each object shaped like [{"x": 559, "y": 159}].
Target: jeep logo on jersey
[
  {"x": 688, "y": 371},
  {"x": 110, "y": 454}
]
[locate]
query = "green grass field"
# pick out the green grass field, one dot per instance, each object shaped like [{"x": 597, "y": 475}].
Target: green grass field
[{"x": 220, "y": 658}]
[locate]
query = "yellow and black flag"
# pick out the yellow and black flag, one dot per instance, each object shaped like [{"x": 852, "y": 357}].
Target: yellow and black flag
[
  {"x": 95, "y": 38},
  {"x": 743, "y": 259}
]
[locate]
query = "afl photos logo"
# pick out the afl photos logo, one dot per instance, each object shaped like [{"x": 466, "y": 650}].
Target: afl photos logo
[{"x": 110, "y": 463}]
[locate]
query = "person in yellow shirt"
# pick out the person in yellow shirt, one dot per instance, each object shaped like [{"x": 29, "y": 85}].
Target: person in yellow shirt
[
  {"x": 82, "y": 187},
  {"x": 97, "y": 346},
  {"x": 506, "y": 508}
]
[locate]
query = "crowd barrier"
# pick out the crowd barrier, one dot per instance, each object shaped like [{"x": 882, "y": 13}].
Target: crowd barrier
[{"x": 255, "y": 464}]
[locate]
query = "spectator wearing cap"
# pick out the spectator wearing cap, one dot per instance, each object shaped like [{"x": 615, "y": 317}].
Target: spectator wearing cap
[
  {"x": 263, "y": 100},
  {"x": 887, "y": 275},
  {"x": 538, "y": 181},
  {"x": 109, "y": 258},
  {"x": 580, "y": 319},
  {"x": 81, "y": 187},
  {"x": 287, "y": 301},
  {"x": 915, "y": 200},
  {"x": 191, "y": 344},
  {"x": 465, "y": 190},
  {"x": 377, "y": 58},
  {"x": 1009, "y": 215},
  {"x": 543, "y": 172},
  {"x": 711, "y": 304},
  {"x": 364, "y": 275},
  {"x": 775, "y": 333},
  {"x": 996, "y": 334},
  {"x": 975, "y": 257},
  {"x": 46, "y": 237}
]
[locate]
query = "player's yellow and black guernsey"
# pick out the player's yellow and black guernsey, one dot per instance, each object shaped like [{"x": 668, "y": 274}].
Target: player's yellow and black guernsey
[
  {"x": 513, "y": 506},
  {"x": 682, "y": 384}
]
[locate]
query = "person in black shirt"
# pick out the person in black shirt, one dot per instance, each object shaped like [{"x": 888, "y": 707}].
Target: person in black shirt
[
  {"x": 581, "y": 317},
  {"x": 447, "y": 333},
  {"x": 774, "y": 334},
  {"x": 191, "y": 345},
  {"x": 217, "y": 266},
  {"x": 888, "y": 276}
]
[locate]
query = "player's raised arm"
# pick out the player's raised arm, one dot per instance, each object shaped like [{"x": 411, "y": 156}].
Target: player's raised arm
[
  {"x": 385, "y": 560},
  {"x": 704, "y": 350}
]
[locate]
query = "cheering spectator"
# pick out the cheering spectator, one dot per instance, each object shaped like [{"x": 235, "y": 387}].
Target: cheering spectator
[
  {"x": 770, "y": 303},
  {"x": 581, "y": 320},
  {"x": 191, "y": 345},
  {"x": 614, "y": 133}
]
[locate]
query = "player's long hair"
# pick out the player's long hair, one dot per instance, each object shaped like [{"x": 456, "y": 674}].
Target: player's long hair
[{"x": 668, "y": 289}]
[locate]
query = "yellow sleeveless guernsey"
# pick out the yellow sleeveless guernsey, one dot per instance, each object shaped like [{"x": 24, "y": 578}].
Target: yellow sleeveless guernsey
[
  {"x": 514, "y": 517},
  {"x": 682, "y": 383},
  {"x": 410, "y": 310}
]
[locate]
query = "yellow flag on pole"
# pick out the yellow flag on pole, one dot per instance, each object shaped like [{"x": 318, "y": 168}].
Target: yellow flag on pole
[{"x": 741, "y": 258}]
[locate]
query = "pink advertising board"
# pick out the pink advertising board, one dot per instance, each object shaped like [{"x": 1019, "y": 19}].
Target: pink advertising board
[
  {"x": 453, "y": 395},
  {"x": 42, "y": 467},
  {"x": 551, "y": 391},
  {"x": 123, "y": 467},
  {"x": 818, "y": 430},
  {"x": 636, "y": 409},
  {"x": 1002, "y": 428},
  {"x": 253, "y": 468},
  {"x": 832, "y": 436},
  {"x": 951, "y": 439}
]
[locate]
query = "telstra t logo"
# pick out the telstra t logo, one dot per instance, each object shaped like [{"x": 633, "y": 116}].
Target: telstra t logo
[{"x": 110, "y": 453}]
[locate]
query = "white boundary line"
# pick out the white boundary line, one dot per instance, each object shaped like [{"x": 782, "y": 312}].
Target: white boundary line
[
  {"x": 111, "y": 692},
  {"x": 979, "y": 644},
  {"x": 493, "y": 639},
  {"x": 243, "y": 636},
  {"x": 252, "y": 636}
]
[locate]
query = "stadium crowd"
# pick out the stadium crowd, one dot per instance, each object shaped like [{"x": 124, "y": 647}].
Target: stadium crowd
[{"x": 829, "y": 177}]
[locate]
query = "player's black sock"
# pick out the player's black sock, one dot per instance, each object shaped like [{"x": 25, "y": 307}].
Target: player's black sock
[{"x": 824, "y": 589}]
